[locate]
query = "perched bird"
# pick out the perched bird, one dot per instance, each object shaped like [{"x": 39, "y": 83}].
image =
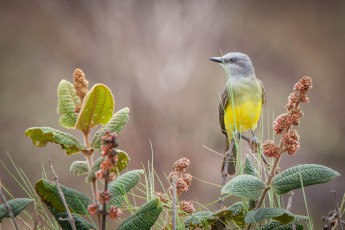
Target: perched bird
[{"x": 240, "y": 106}]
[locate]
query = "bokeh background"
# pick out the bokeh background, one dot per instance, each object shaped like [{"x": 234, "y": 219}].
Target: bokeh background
[{"x": 154, "y": 56}]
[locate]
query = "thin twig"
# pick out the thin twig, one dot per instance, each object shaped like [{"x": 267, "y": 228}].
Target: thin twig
[
  {"x": 104, "y": 210},
  {"x": 8, "y": 207},
  {"x": 337, "y": 208},
  {"x": 174, "y": 203},
  {"x": 62, "y": 197}
]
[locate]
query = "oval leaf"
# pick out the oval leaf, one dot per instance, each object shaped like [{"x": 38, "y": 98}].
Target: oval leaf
[
  {"x": 121, "y": 165},
  {"x": 79, "y": 168},
  {"x": 67, "y": 102},
  {"x": 203, "y": 219},
  {"x": 284, "y": 216},
  {"x": 294, "y": 225},
  {"x": 40, "y": 136},
  {"x": 62, "y": 219},
  {"x": 233, "y": 213},
  {"x": 122, "y": 185},
  {"x": 97, "y": 108},
  {"x": 310, "y": 174},
  {"x": 17, "y": 205},
  {"x": 116, "y": 123},
  {"x": 249, "y": 167},
  {"x": 76, "y": 201},
  {"x": 144, "y": 218},
  {"x": 246, "y": 186}
]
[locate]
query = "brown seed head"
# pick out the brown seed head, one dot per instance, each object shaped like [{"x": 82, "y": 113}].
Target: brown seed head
[
  {"x": 281, "y": 123},
  {"x": 187, "y": 178},
  {"x": 270, "y": 149},
  {"x": 181, "y": 164},
  {"x": 291, "y": 142},
  {"x": 93, "y": 209},
  {"x": 181, "y": 186},
  {"x": 187, "y": 207},
  {"x": 114, "y": 212},
  {"x": 104, "y": 196},
  {"x": 171, "y": 175}
]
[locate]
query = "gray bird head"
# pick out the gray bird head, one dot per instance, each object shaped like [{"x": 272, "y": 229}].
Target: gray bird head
[{"x": 235, "y": 64}]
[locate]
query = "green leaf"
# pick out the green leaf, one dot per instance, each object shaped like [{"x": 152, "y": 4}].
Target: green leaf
[
  {"x": 17, "y": 205},
  {"x": 62, "y": 219},
  {"x": 310, "y": 174},
  {"x": 249, "y": 167},
  {"x": 76, "y": 201},
  {"x": 40, "y": 136},
  {"x": 233, "y": 213},
  {"x": 67, "y": 102},
  {"x": 97, "y": 108},
  {"x": 79, "y": 168},
  {"x": 275, "y": 225},
  {"x": 122, "y": 185},
  {"x": 203, "y": 220},
  {"x": 116, "y": 123},
  {"x": 121, "y": 165},
  {"x": 246, "y": 186},
  {"x": 284, "y": 216},
  {"x": 144, "y": 218}
]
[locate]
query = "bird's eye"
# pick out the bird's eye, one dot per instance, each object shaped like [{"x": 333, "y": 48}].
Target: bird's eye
[{"x": 233, "y": 59}]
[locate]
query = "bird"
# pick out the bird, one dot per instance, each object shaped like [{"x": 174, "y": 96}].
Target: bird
[{"x": 240, "y": 106}]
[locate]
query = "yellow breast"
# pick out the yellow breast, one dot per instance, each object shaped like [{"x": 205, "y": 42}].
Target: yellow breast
[{"x": 243, "y": 116}]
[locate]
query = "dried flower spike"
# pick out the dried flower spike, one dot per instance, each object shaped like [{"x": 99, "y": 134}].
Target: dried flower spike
[
  {"x": 162, "y": 197},
  {"x": 104, "y": 197},
  {"x": 181, "y": 186},
  {"x": 80, "y": 84}
]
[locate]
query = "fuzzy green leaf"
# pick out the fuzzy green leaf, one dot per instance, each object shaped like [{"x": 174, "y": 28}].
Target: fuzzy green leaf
[
  {"x": 144, "y": 218},
  {"x": 246, "y": 186},
  {"x": 310, "y": 174},
  {"x": 97, "y": 108},
  {"x": 249, "y": 167},
  {"x": 122, "y": 185},
  {"x": 233, "y": 213},
  {"x": 275, "y": 225},
  {"x": 121, "y": 165},
  {"x": 79, "y": 168},
  {"x": 115, "y": 124},
  {"x": 67, "y": 102},
  {"x": 76, "y": 201},
  {"x": 40, "y": 136},
  {"x": 200, "y": 220},
  {"x": 17, "y": 205},
  {"x": 284, "y": 216},
  {"x": 62, "y": 219}
]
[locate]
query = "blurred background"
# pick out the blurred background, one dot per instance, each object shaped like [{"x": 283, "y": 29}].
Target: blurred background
[{"x": 154, "y": 55}]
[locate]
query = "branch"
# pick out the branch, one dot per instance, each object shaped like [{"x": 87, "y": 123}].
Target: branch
[
  {"x": 62, "y": 197},
  {"x": 10, "y": 213}
]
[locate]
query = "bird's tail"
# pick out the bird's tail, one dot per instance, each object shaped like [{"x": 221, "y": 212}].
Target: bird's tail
[{"x": 230, "y": 156}]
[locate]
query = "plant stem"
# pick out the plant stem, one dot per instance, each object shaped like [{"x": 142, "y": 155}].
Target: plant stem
[
  {"x": 89, "y": 158},
  {"x": 104, "y": 210},
  {"x": 62, "y": 197},
  {"x": 174, "y": 203},
  {"x": 8, "y": 207},
  {"x": 337, "y": 209}
]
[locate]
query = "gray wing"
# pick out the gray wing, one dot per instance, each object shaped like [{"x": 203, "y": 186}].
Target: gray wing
[{"x": 222, "y": 104}]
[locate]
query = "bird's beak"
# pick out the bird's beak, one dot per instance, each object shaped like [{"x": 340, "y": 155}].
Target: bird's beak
[{"x": 217, "y": 59}]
